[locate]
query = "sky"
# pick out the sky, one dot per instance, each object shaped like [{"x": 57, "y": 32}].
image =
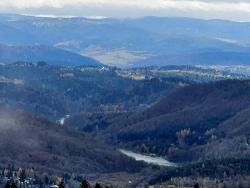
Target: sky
[{"x": 206, "y": 9}]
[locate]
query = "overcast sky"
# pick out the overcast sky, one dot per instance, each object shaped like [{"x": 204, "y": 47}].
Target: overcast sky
[{"x": 208, "y": 9}]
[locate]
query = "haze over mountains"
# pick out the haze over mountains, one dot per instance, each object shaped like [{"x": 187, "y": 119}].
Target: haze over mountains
[{"x": 135, "y": 42}]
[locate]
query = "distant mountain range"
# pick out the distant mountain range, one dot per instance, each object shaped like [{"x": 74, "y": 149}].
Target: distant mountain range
[
  {"x": 198, "y": 58},
  {"x": 48, "y": 54},
  {"x": 135, "y": 42}
]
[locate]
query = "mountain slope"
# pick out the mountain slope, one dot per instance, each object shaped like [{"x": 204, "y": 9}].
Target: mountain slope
[
  {"x": 29, "y": 141},
  {"x": 51, "y": 55},
  {"x": 56, "y": 91},
  {"x": 200, "y": 121}
]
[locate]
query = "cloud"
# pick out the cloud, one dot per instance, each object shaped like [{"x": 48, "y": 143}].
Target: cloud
[
  {"x": 224, "y": 8},
  {"x": 142, "y": 4}
]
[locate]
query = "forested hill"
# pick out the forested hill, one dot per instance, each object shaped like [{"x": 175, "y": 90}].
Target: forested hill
[
  {"x": 57, "y": 91},
  {"x": 28, "y": 141},
  {"x": 200, "y": 121},
  {"x": 37, "y": 53}
]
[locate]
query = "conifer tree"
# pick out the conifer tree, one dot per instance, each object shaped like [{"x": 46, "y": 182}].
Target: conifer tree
[
  {"x": 84, "y": 184},
  {"x": 61, "y": 185},
  {"x": 7, "y": 185},
  {"x": 23, "y": 176},
  {"x": 97, "y": 185},
  {"x": 13, "y": 185},
  {"x": 196, "y": 185}
]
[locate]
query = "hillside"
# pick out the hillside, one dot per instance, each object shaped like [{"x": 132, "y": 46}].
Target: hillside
[
  {"x": 56, "y": 91},
  {"x": 38, "y": 53},
  {"x": 29, "y": 141},
  {"x": 197, "y": 122}
]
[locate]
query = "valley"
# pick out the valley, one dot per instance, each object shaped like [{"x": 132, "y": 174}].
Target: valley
[
  {"x": 140, "y": 113},
  {"x": 56, "y": 91},
  {"x": 124, "y": 102}
]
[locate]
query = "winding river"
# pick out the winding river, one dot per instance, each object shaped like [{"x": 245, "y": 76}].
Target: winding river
[{"x": 148, "y": 159}]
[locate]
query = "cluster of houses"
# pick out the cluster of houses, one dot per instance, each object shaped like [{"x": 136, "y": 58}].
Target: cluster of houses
[{"x": 24, "y": 178}]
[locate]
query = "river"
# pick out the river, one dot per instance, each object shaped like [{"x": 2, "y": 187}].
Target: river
[
  {"x": 148, "y": 159},
  {"x": 61, "y": 121}
]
